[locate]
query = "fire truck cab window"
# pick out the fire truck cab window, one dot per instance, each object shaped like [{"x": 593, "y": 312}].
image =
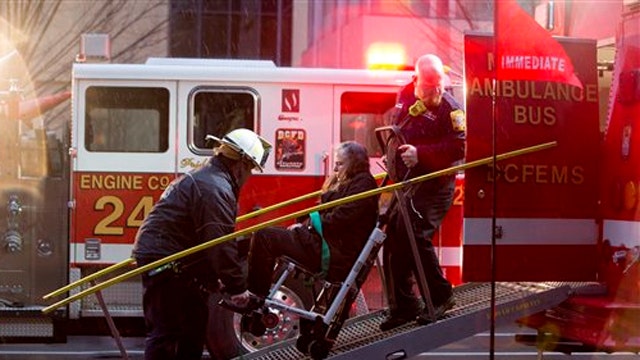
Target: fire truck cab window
[
  {"x": 218, "y": 112},
  {"x": 127, "y": 119},
  {"x": 361, "y": 113}
]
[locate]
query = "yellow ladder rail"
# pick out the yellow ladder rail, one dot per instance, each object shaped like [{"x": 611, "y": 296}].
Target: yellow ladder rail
[
  {"x": 131, "y": 261},
  {"x": 254, "y": 228}
]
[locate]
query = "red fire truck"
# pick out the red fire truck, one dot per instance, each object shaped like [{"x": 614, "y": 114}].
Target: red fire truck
[{"x": 134, "y": 128}]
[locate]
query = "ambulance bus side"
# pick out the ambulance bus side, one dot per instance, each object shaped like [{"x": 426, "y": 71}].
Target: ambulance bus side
[
  {"x": 610, "y": 320},
  {"x": 568, "y": 214}
]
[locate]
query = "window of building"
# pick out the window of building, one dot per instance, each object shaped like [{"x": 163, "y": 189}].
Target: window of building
[
  {"x": 232, "y": 29},
  {"x": 218, "y": 111},
  {"x": 474, "y": 10},
  {"x": 126, "y": 119},
  {"x": 361, "y": 113}
]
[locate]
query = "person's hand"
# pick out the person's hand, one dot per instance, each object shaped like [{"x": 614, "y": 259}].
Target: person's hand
[
  {"x": 240, "y": 300},
  {"x": 409, "y": 155},
  {"x": 294, "y": 226}
]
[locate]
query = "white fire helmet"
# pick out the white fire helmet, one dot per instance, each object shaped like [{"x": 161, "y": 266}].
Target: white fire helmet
[{"x": 248, "y": 145}]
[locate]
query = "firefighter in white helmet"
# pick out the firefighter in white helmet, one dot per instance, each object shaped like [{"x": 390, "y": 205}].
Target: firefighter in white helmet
[{"x": 197, "y": 207}]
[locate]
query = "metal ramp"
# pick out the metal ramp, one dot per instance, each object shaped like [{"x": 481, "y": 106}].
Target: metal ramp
[{"x": 360, "y": 337}]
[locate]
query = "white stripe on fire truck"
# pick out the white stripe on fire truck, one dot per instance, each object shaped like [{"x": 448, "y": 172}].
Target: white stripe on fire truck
[
  {"x": 449, "y": 256},
  {"x": 109, "y": 253},
  {"x": 114, "y": 253},
  {"x": 540, "y": 231},
  {"x": 622, "y": 232}
]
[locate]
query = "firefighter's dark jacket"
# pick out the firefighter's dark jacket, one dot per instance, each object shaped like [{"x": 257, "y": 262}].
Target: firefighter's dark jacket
[
  {"x": 438, "y": 138},
  {"x": 347, "y": 227},
  {"x": 198, "y": 207}
]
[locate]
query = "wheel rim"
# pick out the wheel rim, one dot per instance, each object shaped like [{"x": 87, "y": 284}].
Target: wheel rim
[{"x": 287, "y": 327}]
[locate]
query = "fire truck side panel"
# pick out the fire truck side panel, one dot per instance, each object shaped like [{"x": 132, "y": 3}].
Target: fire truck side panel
[
  {"x": 33, "y": 225},
  {"x": 124, "y": 156},
  {"x": 448, "y": 239},
  {"x": 120, "y": 169},
  {"x": 622, "y": 150},
  {"x": 546, "y": 201},
  {"x": 621, "y": 174},
  {"x": 133, "y": 134}
]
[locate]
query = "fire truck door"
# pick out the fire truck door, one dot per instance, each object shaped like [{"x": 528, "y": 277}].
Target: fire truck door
[{"x": 125, "y": 144}]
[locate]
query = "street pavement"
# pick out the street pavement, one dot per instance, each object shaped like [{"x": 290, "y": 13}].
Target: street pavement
[
  {"x": 473, "y": 348},
  {"x": 76, "y": 348}
]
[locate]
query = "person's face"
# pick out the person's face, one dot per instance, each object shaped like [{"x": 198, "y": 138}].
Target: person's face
[
  {"x": 428, "y": 88},
  {"x": 341, "y": 163},
  {"x": 245, "y": 168}
]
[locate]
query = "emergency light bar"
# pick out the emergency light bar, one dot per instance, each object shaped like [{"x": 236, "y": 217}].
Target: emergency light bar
[{"x": 387, "y": 56}]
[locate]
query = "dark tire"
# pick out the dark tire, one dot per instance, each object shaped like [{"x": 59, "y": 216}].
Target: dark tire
[
  {"x": 253, "y": 324},
  {"x": 302, "y": 344},
  {"x": 221, "y": 342},
  {"x": 319, "y": 349},
  {"x": 225, "y": 340}
]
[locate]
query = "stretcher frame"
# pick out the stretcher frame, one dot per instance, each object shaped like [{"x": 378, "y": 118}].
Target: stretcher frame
[{"x": 319, "y": 329}]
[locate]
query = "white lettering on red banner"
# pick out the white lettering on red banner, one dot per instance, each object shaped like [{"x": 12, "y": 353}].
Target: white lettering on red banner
[{"x": 530, "y": 62}]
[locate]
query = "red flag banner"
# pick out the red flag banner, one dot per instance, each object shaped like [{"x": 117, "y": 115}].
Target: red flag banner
[{"x": 526, "y": 51}]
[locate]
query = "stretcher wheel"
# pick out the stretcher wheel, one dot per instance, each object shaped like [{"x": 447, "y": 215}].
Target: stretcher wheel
[
  {"x": 270, "y": 320},
  {"x": 319, "y": 349},
  {"x": 302, "y": 344},
  {"x": 253, "y": 324}
]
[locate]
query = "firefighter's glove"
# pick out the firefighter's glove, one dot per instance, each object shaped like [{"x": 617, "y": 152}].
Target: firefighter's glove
[
  {"x": 242, "y": 303},
  {"x": 240, "y": 300},
  {"x": 294, "y": 226}
]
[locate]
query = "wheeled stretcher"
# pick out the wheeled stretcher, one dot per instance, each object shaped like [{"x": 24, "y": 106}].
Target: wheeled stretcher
[{"x": 321, "y": 324}]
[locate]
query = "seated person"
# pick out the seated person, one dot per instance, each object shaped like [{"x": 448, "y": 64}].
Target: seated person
[{"x": 345, "y": 227}]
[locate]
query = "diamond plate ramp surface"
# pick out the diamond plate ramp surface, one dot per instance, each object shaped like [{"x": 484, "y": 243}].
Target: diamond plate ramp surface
[{"x": 361, "y": 338}]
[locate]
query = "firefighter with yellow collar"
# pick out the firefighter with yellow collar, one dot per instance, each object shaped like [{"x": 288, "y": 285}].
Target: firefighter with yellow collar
[{"x": 430, "y": 128}]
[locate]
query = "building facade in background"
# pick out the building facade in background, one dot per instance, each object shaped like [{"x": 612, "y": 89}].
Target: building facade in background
[
  {"x": 231, "y": 29},
  {"x": 45, "y": 34},
  {"x": 342, "y": 33}
]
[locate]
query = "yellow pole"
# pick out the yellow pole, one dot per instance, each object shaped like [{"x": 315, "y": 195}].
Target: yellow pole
[
  {"x": 254, "y": 228},
  {"x": 289, "y": 202},
  {"x": 97, "y": 274},
  {"x": 131, "y": 261}
]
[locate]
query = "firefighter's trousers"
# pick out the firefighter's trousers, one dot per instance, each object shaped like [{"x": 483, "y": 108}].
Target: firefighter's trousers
[{"x": 427, "y": 205}]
